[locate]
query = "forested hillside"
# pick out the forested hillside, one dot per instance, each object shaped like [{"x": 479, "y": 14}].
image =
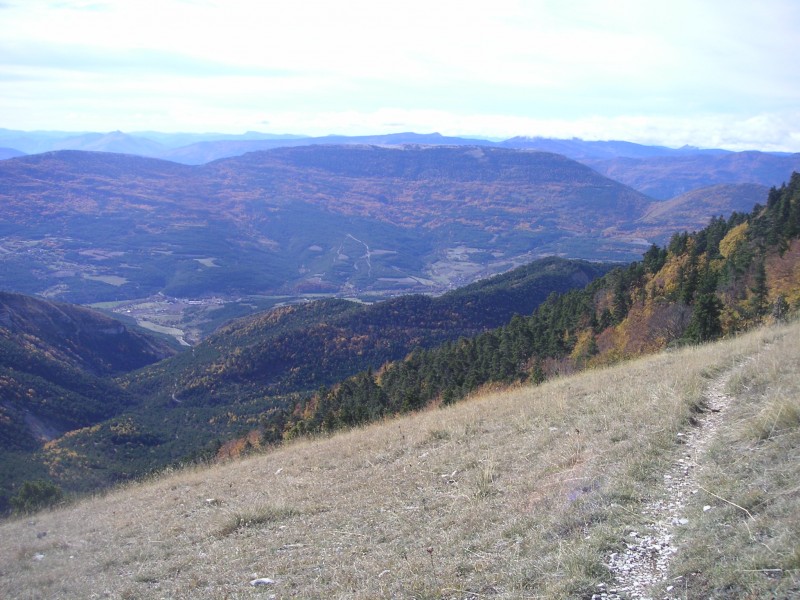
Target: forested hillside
[
  {"x": 255, "y": 369},
  {"x": 726, "y": 278},
  {"x": 55, "y": 365}
]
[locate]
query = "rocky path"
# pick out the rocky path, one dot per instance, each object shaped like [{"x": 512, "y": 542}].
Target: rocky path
[{"x": 650, "y": 546}]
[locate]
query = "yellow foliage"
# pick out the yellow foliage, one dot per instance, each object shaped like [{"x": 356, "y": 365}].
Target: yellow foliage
[
  {"x": 585, "y": 346},
  {"x": 731, "y": 319},
  {"x": 77, "y": 432},
  {"x": 665, "y": 283},
  {"x": 734, "y": 238}
]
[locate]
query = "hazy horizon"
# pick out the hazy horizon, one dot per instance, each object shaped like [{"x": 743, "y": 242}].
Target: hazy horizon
[{"x": 258, "y": 135}]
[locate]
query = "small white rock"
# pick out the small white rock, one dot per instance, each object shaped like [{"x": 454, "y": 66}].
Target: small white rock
[
  {"x": 706, "y": 508},
  {"x": 38, "y": 556},
  {"x": 262, "y": 581}
]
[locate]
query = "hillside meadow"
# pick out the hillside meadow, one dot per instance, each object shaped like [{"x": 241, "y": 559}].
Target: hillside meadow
[{"x": 516, "y": 493}]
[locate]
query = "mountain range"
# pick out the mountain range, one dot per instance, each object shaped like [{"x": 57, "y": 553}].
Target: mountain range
[
  {"x": 87, "y": 403},
  {"x": 648, "y": 169},
  {"x": 327, "y": 219}
]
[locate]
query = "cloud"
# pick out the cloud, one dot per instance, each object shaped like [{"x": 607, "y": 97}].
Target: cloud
[
  {"x": 142, "y": 61},
  {"x": 681, "y": 72}
]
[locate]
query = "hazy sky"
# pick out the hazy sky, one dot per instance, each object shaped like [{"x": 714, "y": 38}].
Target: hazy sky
[{"x": 712, "y": 73}]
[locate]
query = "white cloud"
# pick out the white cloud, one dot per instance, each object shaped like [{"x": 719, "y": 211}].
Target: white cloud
[{"x": 689, "y": 71}]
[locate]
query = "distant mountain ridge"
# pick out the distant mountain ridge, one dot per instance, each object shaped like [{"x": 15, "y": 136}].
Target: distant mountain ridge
[
  {"x": 677, "y": 213},
  {"x": 314, "y": 219},
  {"x": 351, "y": 219},
  {"x": 10, "y": 153},
  {"x": 665, "y": 177},
  {"x": 198, "y": 148},
  {"x": 578, "y": 149},
  {"x": 657, "y": 171}
]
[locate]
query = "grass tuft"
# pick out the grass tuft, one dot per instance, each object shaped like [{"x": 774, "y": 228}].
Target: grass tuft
[
  {"x": 484, "y": 485},
  {"x": 255, "y": 518}
]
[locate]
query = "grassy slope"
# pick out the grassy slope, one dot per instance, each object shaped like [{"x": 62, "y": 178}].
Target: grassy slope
[{"x": 514, "y": 494}]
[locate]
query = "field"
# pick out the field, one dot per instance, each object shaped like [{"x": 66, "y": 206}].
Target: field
[{"x": 520, "y": 493}]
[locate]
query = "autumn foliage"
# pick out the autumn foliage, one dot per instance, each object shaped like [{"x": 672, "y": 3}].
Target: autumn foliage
[{"x": 729, "y": 277}]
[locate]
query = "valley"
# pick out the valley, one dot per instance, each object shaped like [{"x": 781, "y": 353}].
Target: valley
[
  {"x": 345, "y": 220},
  {"x": 324, "y": 287},
  {"x": 189, "y": 320}
]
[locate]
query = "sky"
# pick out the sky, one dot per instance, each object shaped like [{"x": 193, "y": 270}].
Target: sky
[{"x": 707, "y": 73}]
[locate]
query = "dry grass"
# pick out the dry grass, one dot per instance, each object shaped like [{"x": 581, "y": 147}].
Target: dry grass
[
  {"x": 747, "y": 544},
  {"x": 509, "y": 495}
]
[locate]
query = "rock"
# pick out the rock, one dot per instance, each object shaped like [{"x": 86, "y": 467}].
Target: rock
[{"x": 262, "y": 581}]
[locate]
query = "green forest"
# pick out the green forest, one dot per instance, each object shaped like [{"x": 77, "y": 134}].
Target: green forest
[{"x": 731, "y": 275}]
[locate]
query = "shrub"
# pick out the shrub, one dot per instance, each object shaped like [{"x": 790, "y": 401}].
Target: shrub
[{"x": 36, "y": 495}]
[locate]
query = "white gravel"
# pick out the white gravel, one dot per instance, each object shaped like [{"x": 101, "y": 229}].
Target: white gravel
[{"x": 650, "y": 548}]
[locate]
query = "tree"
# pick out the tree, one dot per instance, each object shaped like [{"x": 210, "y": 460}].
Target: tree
[
  {"x": 654, "y": 259},
  {"x": 619, "y": 306},
  {"x": 780, "y": 308},
  {"x": 705, "y": 324},
  {"x": 677, "y": 244},
  {"x": 758, "y": 302}
]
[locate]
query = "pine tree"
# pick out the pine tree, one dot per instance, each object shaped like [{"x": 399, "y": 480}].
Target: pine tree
[
  {"x": 705, "y": 324},
  {"x": 758, "y": 302},
  {"x": 619, "y": 307}
]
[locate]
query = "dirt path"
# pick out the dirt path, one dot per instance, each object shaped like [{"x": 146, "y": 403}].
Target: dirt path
[{"x": 650, "y": 546}]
